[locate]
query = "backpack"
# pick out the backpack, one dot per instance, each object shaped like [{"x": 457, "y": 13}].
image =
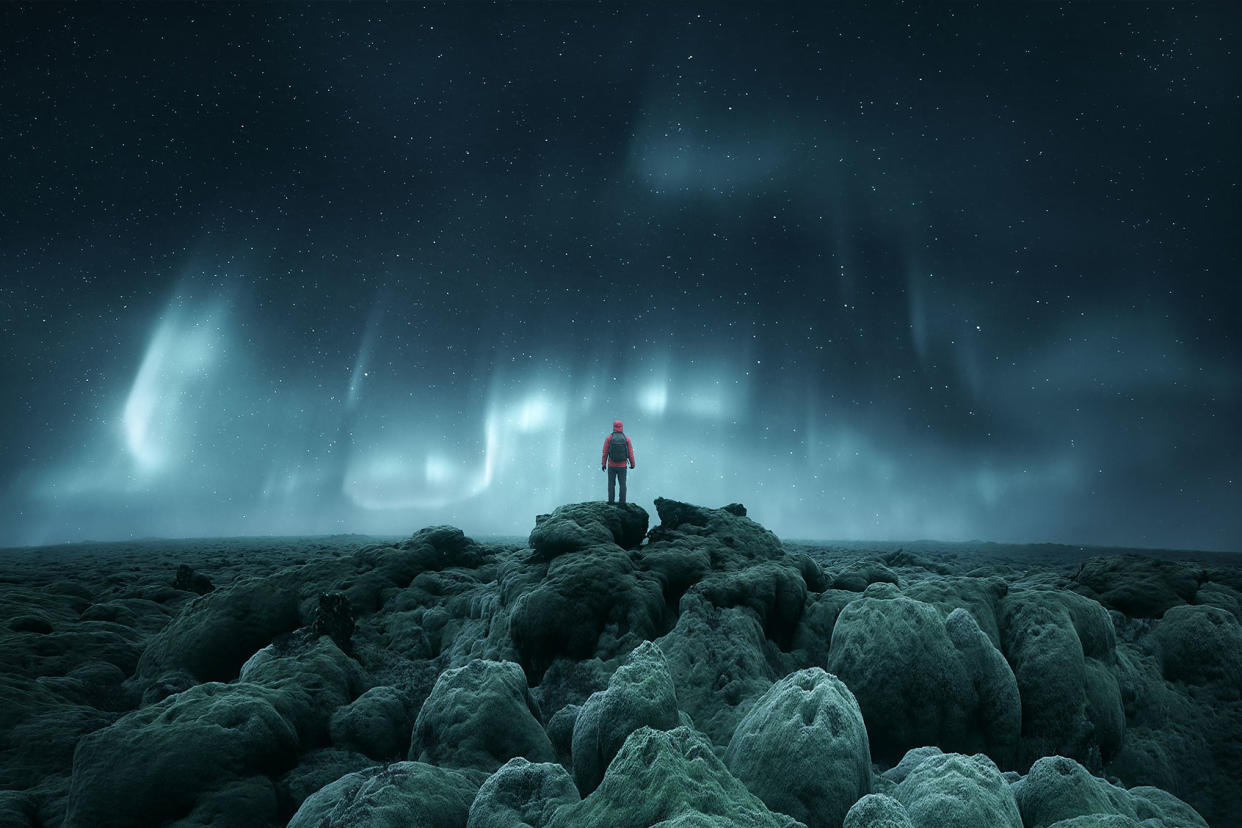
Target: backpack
[{"x": 618, "y": 451}]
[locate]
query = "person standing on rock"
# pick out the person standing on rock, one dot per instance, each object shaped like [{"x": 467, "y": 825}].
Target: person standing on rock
[{"x": 618, "y": 450}]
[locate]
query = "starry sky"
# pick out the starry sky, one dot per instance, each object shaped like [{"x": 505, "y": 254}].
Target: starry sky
[{"x": 878, "y": 272}]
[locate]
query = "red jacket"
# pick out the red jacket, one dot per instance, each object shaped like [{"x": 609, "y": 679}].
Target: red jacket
[{"x": 629, "y": 447}]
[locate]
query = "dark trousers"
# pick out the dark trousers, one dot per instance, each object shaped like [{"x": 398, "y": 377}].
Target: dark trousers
[{"x": 615, "y": 474}]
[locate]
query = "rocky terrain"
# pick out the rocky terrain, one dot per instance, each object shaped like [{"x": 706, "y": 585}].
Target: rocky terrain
[{"x": 701, "y": 673}]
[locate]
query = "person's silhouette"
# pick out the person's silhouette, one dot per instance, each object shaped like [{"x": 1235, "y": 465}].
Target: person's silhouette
[{"x": 618, "y": 451}]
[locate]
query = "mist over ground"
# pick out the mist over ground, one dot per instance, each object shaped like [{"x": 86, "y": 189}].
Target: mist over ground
[{"x": 877, "y": 274}]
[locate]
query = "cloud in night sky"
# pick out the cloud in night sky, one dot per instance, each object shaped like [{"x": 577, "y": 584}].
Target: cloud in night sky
[{"x": 874, "y": 275}]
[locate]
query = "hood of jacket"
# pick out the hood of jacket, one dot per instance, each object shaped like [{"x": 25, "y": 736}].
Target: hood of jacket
[{"x": 616, "y": 425}]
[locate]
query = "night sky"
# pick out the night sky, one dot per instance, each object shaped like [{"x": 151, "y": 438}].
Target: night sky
[{"x": 899, "y": 272}]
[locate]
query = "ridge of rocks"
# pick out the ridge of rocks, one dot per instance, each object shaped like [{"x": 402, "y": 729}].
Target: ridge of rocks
[{"x": 608, "y": 673}]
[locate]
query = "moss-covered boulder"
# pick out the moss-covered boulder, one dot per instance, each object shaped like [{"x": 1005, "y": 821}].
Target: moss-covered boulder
[
  {"x": 979, "y": 595},
  {"x": 214, "y": 635},
  {"x": 950, "y": 790},
  {"x": 877, "y": 811},
  {"x": 152, "y": 765},
  {"x": 249, "y": 801},
  {"x": 774, "y": 591},
  {"x": 479, "y": 717},
  {"x": 1058, "y": 788},
  {"x": 522, "y": 795},
  {"x": 1061, "y": 647},
  {"x": 802, "y": 748},
  {"x": 315, "y": 769},
  {"x": 1099, "y": 821},
  {"x": 856, "y": 576},
  {"x": 720, "y": 662},
  {"x": 813, "y": 635},
  {"x": 310, "y": 678},
  {"x": 661, "y": 776},
  {"x": 592, "y": 602},
  {"x": 393, "y": 796},
  {"x": 1158, "y": 806},
  {"x": 1139, "y": 586},
  {"x": 436, "y": 548},
  {"x": 1201, "y": 645},
  {"x": 640, "y": 693},
  {"x": 376, "y": 724},
  {"x": 733, "y": 540},
  {"x": 922, "y": 679},
  {"x": 578, "y": 526}
]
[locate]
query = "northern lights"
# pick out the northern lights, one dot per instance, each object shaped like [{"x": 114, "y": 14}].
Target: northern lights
[{"x": 887, "y": 273}]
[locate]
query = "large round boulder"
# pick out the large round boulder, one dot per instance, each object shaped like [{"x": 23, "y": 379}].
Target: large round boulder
[
  {"x": 435, "y": 548},
  {"x": 877, "y": 811},
  {"x": 152, "y": 765},
  {"x": 522, "y": 795},
  {"x": 802, "y": 749},
  {"x": 315, "y": 769},
  {"x": 392, "y": 796},
  {"x": 950, "y": 790},
  {"x": 480, "y": 716},
  {"x": 922, "y": 679},
  {"x": 856, "y": 576},
  {"x": 1058, "y": 788},
  {"x": 1061, "y": 647},
  {"x": 1201, "y": 645}
]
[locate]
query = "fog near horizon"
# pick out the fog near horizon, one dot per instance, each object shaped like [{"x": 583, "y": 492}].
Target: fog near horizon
[{"x": 339, "y": 271}]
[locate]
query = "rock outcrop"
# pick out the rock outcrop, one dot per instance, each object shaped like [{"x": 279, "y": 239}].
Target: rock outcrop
[{"x": 697, "y": 674}]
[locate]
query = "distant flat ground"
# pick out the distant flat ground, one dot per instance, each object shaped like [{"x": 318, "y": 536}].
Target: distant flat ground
[
  {"x": 225, "y": 559},
  {"x": 1044, "y": 554},
  {"x": 297, "y": 546}
]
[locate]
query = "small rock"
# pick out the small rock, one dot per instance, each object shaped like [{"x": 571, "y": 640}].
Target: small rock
[{"x": 190, "y": 581}]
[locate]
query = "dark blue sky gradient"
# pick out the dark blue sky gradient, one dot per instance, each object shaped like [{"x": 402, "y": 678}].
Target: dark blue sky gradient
[{"x": 957, "y": 272}]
